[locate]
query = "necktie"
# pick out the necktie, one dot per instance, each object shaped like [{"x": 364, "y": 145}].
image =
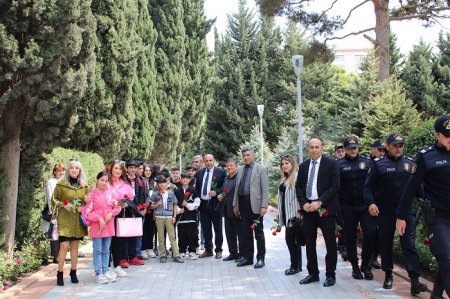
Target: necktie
[
  {"x": 205, "y": 185},
  {"x": 309, "y": 186}
]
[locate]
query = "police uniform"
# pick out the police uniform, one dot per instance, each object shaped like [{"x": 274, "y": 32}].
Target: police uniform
[
  {"x": 432, "y": 167},
  {"x": 353, "y": 173},
  {"x": 384, "y": 187}
]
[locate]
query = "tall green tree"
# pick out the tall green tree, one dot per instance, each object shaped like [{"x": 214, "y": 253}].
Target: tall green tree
[
  {"x": 419, "y": 81},
  {"x": 395, "y": 55},
  {"x": 441, "y": 71},
  {"x": 197, "y": 95},
  {"x": 46, "y": 58},
  {"x": 170, "y": 57}
]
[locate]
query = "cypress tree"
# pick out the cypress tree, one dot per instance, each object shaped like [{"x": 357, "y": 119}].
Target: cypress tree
[
  {"x": 46, "y": 58},
  {"x": 419, "y": 81},
  {"x": 170, "y": 54}
]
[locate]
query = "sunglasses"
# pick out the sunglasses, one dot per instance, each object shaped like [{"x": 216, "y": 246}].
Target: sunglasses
[
  {"x": 119, "y": 161},
  {"x": 286, "y": 156}
]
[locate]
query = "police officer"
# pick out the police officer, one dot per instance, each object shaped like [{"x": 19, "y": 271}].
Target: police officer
[
  {"x": 339, "y": 151},
  {"x": 433, "y": 169},
  {"x": 377, "y": 151},
  {"x": 338, "y": 154},
  {"x": 382, "y": 191},
  {"x": 353, "y": 170}
]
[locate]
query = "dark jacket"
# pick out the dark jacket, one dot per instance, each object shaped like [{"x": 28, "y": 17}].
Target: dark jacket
[
  {"x": 353, "y": 173},
  {"x": 218, "y": 177},
  {"x": 189, "y": 195},
  {"x": 328, "y": 184},
  {"x": 228, "y": 186}
]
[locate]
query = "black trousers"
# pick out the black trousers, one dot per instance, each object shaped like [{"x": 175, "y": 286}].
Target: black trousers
[
  {"x": 149, "y": 232},
  {"x": 246, "y": 242},
  {"x": 232, "y": 232},
  {"x": 352, "y": 216},
  {"x": 186, "y": 236},
  {"x": 440, "y": 247},
  {"x": 386, "y": 230},
  {"x": 408, "y": 243},
  {"x": 210, "y": 218},
  {"x": 116, "y": 250},
  {"x": 295, "y": 250},
  {"x": 312, "y": 221}
]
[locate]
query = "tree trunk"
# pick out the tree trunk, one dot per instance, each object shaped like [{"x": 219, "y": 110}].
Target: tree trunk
[
  {"x": 382, "y": 32},
  {"x": 9, "y": 163}
]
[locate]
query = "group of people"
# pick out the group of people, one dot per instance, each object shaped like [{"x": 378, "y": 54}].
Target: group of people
[{"x": 373, "y": 193}]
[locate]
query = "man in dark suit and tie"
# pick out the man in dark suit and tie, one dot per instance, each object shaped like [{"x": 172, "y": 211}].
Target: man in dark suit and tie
[
  {"x": 318, "y": 193},
  {"x": 251, "y": 198},
  {"x": 209, "y": 183}
]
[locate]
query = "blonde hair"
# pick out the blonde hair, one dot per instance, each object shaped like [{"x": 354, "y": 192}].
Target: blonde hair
[
  {"x": 289, "y": 179},
  {"x": 82, "y": 180}
]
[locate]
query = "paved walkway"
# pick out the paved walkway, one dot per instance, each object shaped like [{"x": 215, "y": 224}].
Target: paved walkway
[{"x": 210, "y": 278}]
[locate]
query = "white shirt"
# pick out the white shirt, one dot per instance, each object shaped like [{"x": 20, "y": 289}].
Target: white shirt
[
  {"x": 208, "y": 183},
  {"x": 315, "y": 195}
]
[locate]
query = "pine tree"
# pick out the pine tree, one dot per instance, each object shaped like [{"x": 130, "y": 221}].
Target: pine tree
[
  {"x": 170, "y": 57},
  {"x": 396, "y": 57},
  {"x": 441, "y": 71},
  {"x": 388, "y": 112},
  {"x": 46, "y": 58},
  {"x": 419, "y": 81}
]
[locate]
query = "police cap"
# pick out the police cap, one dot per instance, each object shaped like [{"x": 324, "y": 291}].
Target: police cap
[
  {"x": 378, "y": 143},
  {"x": 442, "y": 125},
  {"x": 351, "y": 142},
  {"x": 395, "y": 138}
]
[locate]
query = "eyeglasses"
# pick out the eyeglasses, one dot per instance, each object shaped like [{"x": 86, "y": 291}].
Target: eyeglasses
[
  {"x": 286, "y": 156},
  {"x": 119, "y": 161}
]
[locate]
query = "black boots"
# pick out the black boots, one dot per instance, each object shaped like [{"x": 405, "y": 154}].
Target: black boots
[
  {"x": 388, "y": 280},
  {"x": 437, "y": 292},
  {"x": 356, "y": 273},
  {"x": 73, "y": 276},
  {"x": 366, "y": 270},
  {"x": 416, "y": 286},
  {"x": 59, "y": 278}
]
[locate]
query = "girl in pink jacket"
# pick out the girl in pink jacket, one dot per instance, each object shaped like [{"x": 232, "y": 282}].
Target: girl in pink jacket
[{"x": 100, "y": 211}]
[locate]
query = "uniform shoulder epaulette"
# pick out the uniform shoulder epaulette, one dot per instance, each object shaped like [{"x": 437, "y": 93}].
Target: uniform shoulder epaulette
[
  {"x": 426, "y": 150},
  {"x": 411, "y": 159},
  {"x": 365, "y": 157},
  {"x": 378, "y": 159}
]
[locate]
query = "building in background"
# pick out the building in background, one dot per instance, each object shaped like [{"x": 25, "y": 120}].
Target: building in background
[{"x": 350, "y": 58}]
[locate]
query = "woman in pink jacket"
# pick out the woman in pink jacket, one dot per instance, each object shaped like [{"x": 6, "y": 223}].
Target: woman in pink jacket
[
  {"x": 120, "y": 189},
  {"x": 100, "y": 211}
]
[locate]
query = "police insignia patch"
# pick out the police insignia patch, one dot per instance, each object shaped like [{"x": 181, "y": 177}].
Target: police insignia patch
[
  {"x": 362, "y": 165},
  {"x": 406, "y": 167},
  {"x": 413, "y": 168}
]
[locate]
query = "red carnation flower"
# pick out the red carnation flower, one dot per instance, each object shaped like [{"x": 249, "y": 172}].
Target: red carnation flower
[
  {"x": 17, "y": 261},
  {"x": 144, "y": 206},
  {"x": 358, "y": 230},
  {"x": 274, "y": 233},
  {"x": 325, "y": 213},
  {"x": 66, "y": 202},
  {"x": 125, "y": 196},
  {"x": 278, "y": 229},
  {"x": 252, "y": 227},
  {"x": 187, "y": 194},
  {"x": 426, "y": 241},
  {"x": 139, "y": 207},
  {"x": 225, "y": 190},
  {"x": 338, "y": 235},
  {"x": 5, "y": 287}
]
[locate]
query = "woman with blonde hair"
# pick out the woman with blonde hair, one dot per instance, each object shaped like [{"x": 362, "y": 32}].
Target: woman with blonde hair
[
  {"x": 289, "y": 211},
  {"x": 69, "y": 197}
]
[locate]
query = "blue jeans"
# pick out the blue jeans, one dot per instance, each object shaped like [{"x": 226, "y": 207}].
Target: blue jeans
[
  {"x": 101, "y": 254},
  {"x": 139, "y": 243}
]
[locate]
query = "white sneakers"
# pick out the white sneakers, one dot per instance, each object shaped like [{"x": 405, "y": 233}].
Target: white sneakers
[
  {"x": 110, "y": 276},
  {"x": 102, "y": 279},
  {"x": 193, "y": 256},
  {"x": 151, "y": 253},
  {"x": 120, "y": 272}
]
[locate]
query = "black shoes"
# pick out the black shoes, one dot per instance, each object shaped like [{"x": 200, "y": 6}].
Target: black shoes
[
  {"x": 259, "y": 264},
  {"x": 230, "y": 258},
  {"x": 239, "y": 259},
  {"x": 291, "y": 271},
  {"x": 367, "y": 274},
  {"x": 73, "y": 276},
  {"x": 310, "y": 278},
  {"x": 330, "y": 281},
  {"x": 356, "y": 274},
  {"x": 59, "y": 278},
  {"x": 388, "y": 280},
  {"x": 437, "y": 292},
  {"x": 244, "y": 262},
  {"x": 376, "y": 264},
  {"x": 417, "y": 287}
]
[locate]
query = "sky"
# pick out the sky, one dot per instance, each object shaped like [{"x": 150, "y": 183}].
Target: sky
[{"x": 408, "y": 32}]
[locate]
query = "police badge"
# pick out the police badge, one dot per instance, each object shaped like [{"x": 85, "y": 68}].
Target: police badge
[
  {"x": 362, "y": 165},
  {"x": 406, "y": 167}
]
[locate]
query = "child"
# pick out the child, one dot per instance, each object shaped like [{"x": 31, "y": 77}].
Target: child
[
  {"x": 100, "y": 211},
  {"x": 164, "y": 203},
  {"x": 189, "y": 202}
]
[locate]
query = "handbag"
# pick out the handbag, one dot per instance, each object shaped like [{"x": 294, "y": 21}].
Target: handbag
[
  {"x": 129, "y": 227},
  {"x": 53, "y": 231},
  {"x": 45, "y": 214}
]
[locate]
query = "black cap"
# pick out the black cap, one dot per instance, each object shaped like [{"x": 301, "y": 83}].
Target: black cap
[
  {"x": 395, "y": 138},
  {"x": 131, "y": 162},
  {"x": 337, "y": 146},
  {"x": 351, "y": 142},
  {"x": 190, "y": 166},
  {"x": 378, "y": 143},
  {"x": 442, "y": 125}
]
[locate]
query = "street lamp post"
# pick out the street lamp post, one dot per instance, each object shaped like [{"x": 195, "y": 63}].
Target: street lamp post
[
  {"x": 261, "y": 112},
  {"x": 297, "y": 61}
]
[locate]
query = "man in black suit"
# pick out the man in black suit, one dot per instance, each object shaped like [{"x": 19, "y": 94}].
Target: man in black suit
[
  {"x": 317, "y": 191},
  {"x": 209, "y": 183}
]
